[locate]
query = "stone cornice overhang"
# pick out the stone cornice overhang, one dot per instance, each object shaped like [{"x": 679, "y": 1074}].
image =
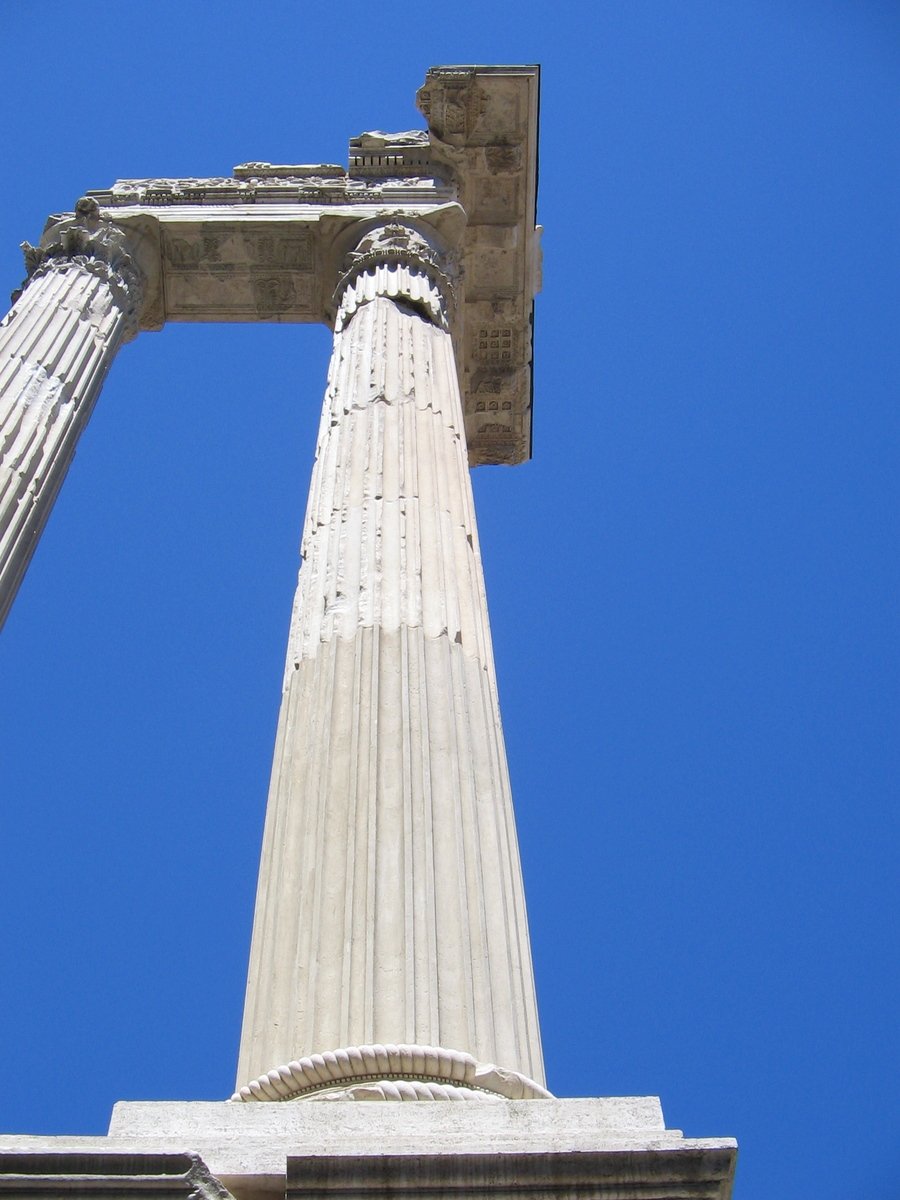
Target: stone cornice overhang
[
  {"x": 483, "y": 123},
  {"x": 267, "y": 243}
]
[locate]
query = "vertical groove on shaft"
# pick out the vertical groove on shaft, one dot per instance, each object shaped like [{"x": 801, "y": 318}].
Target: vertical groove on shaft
[{"x": 390, "y": 905}]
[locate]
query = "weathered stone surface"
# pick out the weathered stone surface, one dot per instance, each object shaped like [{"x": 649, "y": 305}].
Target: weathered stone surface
[
  {"x": 368, "y": 1129},
  {"x": 670, "y": 1173},
  {"x": 483, "y": 123}
]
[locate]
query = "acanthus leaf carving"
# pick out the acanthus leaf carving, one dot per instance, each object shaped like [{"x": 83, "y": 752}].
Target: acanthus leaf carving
[
  {"x": 395, "y": 243},
  {"x": 94, "y": 243}
]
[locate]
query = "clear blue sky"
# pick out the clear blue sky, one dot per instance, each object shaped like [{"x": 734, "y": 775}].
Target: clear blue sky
[{"x": 693, "y": 585}]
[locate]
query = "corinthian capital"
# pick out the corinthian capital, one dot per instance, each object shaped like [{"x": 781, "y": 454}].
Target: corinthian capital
[
  {"x": 396, "y": 244},
  {"x": 96, "y": 244}
]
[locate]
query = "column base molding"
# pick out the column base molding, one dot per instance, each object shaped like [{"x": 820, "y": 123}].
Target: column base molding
[{"x": 391, "y": 1073}]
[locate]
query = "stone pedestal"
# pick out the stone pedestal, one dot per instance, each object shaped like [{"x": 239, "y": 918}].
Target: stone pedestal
[{"x": 614, "y": 1148}]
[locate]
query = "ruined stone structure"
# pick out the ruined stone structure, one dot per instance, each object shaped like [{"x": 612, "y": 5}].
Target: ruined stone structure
[{"x": 390, "y": 957}]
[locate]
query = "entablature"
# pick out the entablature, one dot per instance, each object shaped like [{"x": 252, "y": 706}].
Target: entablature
[{"x": 267, "y": 242}]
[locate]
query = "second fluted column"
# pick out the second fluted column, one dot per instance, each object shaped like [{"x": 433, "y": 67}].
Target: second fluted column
[{"x": 56, "y": 346}]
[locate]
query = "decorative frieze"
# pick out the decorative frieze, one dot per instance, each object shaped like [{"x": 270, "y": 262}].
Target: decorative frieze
[
  {"x": 275, "y": 185},
  {"x": 240, "y": 271},
  {"x": 222, "y": 249}
]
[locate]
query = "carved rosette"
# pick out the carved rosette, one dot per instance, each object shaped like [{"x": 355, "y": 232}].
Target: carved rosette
[
  {"x": 397, "y": 261},
  {"x": 97, "y": 245}
]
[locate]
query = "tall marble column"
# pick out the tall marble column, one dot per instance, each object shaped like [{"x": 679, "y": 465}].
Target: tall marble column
[
  {"x": 390, "y": 945},
  {"x": 56, "y": 345}
]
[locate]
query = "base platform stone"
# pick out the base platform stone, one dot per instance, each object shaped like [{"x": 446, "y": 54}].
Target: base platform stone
[{"x": 607, "y": 1148}]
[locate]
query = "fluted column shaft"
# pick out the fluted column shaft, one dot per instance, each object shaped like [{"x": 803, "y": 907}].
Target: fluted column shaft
[
  {"x": 56, "y": 345},
  {"x": 390, "y": 906}
]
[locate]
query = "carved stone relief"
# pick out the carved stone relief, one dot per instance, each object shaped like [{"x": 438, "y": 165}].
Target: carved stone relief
[
  {"x": 495, "y": 344},
  {"x": 292, "y": 253},
  {"x": 274, "y": 293},
  {"x": 278, "y": 185},
  {"x": 187, "y": 254},
  {"x": 495, "y": 198},
  {"x": 239, "y": 271},
  {"x": 454, "y": 109}
]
